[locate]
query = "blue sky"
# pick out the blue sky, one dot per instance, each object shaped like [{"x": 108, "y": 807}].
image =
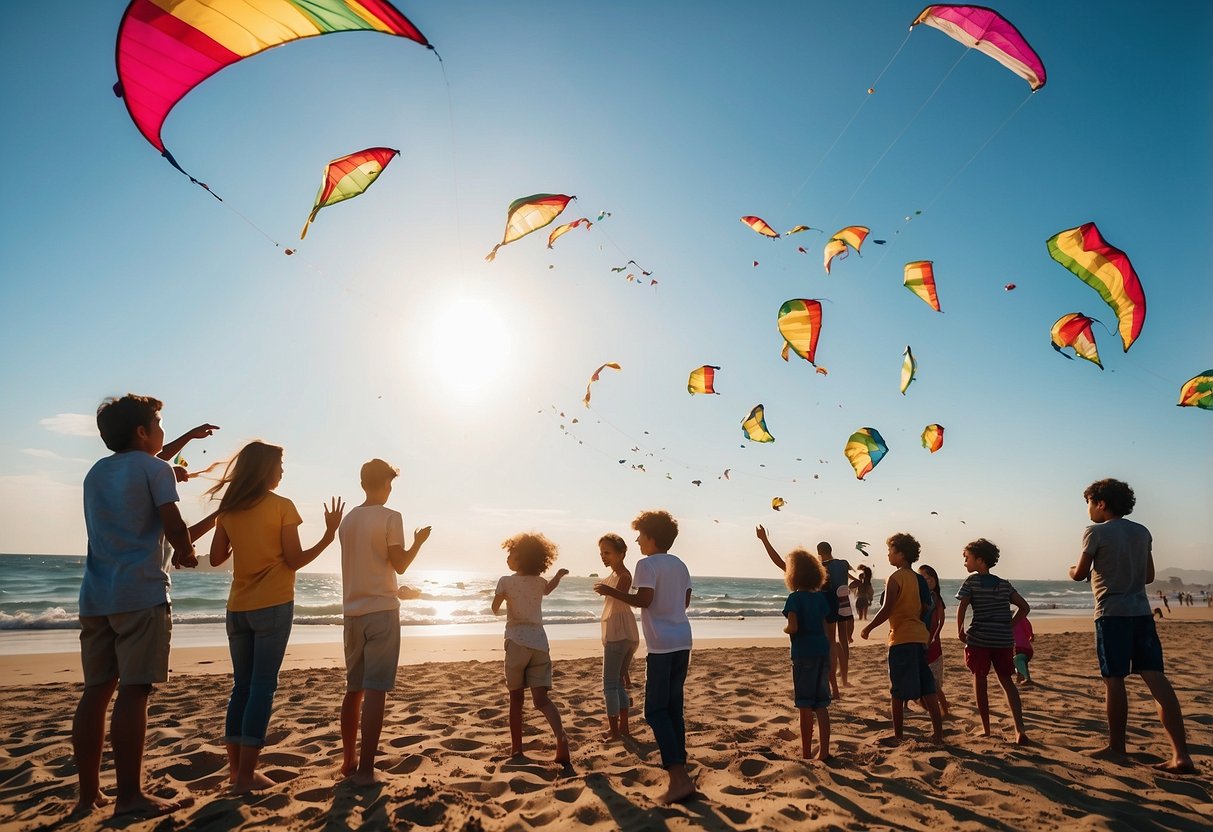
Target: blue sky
[{"x": 388, "y": 335}]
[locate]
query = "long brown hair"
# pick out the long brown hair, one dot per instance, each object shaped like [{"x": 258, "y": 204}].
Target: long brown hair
[{"x": 247, "y": 476}]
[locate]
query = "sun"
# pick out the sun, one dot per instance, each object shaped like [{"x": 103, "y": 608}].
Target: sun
[{"x": 470, "y": 348}]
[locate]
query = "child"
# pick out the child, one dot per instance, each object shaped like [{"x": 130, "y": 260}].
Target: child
[
  {"x": 528, "y": 664},
  {"x": 806, "y": 610},
  {"x": 620, "y": 638},
  {"x": 372, "y": 555},
  {"x": 1022, "y": 631},
  {"x": 1117, "y": 558},
  {"x": 935, "y": 628},
  {"x": 663, "y": 593},
  {"x": 130, "y": 509},
  {"x": 909, "y": 674},
  {"x": 260, "y": 531},
  {"x": 989, "y": 640}
]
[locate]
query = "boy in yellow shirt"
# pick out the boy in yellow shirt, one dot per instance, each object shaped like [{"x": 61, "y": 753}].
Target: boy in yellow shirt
[{"x": 910, "y": 676}]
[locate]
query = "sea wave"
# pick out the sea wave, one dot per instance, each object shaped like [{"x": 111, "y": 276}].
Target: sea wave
[{"x": 52, "y": 618}]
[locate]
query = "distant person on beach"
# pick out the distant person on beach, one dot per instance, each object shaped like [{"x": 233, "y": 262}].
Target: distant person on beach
[
  {"x": 806, "y": 610},
  {"x": 1024, "y": 649},
  {"x": 663, "y": 593},
  {"x": 372, "y": 555},
  {"x": 864, "y": 592},
  {"x": 1117, "y": 558},
  {"x": 259, "y": 530},
  {"x": 910, "y": 676},
  {"x": 130, "y": 511},
  {"x": 528, "y": 663},
  {"x": 989, "y": 640},
  {"x": 620, "y": 638},
  {"x": 935, "y": 629},
  {"x": 840, "y": 624}
]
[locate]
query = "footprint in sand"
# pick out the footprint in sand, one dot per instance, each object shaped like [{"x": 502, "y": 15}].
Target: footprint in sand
[
  {"x": 404, "y": 742},
  {"x": 461, "y": 744},
  {"x": 753, "y": 767},
  {"x": 408, "y": 764}
]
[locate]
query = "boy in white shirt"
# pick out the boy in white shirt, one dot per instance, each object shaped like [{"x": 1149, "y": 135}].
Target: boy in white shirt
[
  {"x": 663, "y": 593},
  {"x": 372, "y": 555}
]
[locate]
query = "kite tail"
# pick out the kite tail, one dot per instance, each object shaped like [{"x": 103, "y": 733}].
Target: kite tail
[
  {"x": 492, "y": 254},
  {"x": 202, "y": 185},
  {"x": 310, "y": 217}
]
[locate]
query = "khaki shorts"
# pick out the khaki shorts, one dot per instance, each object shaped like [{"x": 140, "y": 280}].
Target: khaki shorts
[
  {"x": 131, "y": 647},
  {"x": 526, "y": 667},
  {"x": 372, "y": 650}
]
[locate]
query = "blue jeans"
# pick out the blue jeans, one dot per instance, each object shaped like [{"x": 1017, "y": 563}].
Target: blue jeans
[
  {"x": 257, "y": 641},
  {"x": 616, "y": 656},
  {"x": 667, "y": 673}
]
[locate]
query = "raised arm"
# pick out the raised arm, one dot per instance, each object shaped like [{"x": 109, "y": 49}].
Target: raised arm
[
  {"x": 761, "y": 533},
  {"x": 292, "y": 551},
  {"x": 402, "y": 558},
  {"x": 555, "y": 582},
  {"x": 891, "y": 592},
  {"x": 173, "y": 448}
]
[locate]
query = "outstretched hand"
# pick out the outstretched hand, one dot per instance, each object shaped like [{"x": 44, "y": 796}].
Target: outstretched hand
[
  {"x": 601, "y": 588},
  {"x": 761, "y": 533},
  {"x": 560, "y": 573},
  {"x": 421, "y": 535},
  {"x": 333, "y": 513},
  {"x": 181, "y": 474},
  {"x": 202, "y": 431}
]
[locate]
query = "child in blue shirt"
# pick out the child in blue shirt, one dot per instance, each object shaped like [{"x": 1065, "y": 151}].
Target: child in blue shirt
[{"x": 806, "y": 610}]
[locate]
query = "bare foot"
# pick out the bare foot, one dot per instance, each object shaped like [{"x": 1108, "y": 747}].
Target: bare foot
[
  {"x": 1108, "y": 753},
  {"x": 146, "y": 806},
  {"x": 938, "y": 739},
  {"x": 258, "y": 783},
  {"x": 824, "y": 756},
  {"x": 1022, "y": 739},
  {"x": 84, "y": 806},
  {"x": 364, "y": 778},
  {"x": 562, "y": 751},
  {"x": 611, "y": 736},
  {"x": 348, "y": 767},
  {"x": 1177, "y": 766},
  {"x": 677, "y": 793}
]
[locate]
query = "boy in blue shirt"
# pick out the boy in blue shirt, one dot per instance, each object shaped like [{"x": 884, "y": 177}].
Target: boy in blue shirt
[
  {"x": 806, "y": 610},
  {"x": 130, "y": 509}
]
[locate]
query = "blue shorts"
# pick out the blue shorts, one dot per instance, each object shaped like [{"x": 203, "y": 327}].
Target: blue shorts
[
  {"x": 811, "y": 681},
  {"x": 910, "y": 676},
  {"x": 1127, "y": 644}
]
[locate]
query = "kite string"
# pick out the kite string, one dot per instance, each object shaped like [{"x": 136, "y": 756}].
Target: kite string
[
  {"x": 846, "y": 126},
  {"x": 450, "y": 110},
  {"x": 904, "y": 130}
]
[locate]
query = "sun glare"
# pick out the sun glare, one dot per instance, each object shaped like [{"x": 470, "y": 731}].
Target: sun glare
[{"x": 470, "y": 347}]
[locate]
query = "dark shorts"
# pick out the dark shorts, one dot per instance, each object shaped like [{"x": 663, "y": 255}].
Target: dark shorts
[
  {"x": 1127, "y": 644},
  {"x": 979, "y": 659},
  {"x": 811, "y": 681},
  {"x": 910, "y": 676}
]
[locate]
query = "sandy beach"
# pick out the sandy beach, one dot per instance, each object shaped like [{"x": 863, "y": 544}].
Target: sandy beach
[{"x": 444, "y": 761}]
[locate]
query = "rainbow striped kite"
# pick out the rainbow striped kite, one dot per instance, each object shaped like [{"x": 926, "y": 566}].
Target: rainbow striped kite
[
  {"x": 1198, "y": 391},
  {"x": 852, "y": 235},
  {"x": 755, "y": 426},
  {"x": 909, "y": 369},
  {"x": 349, "y": 176},
  {"x": 1107, "y": 270},
  {"x": 932, "y": 437},
  {"x": 702, "y": 380},
  {"x": 989, "y": 32},
  {"x": 799, "y": 323},
  {"x": 166, "y": 48},
  {"x": 530, "y": 213},
  {"x": 760, "y": 226},
  {"x": 865, "y": 449},
  {"x": 920, "y": 279},
  {"x": 1074, "y": 331}
]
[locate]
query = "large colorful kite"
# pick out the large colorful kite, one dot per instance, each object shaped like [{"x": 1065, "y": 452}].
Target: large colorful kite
[
  {"x": 865, "y": 449},
  {"x": 530, "y": 213},
  {"x": 909, "y": 369},
  {"x": 932, "y": 437},
  {"x": 349, "y": 176},
  {"x": 755, "y": 426},
  {"x": 1107, "y": 270},
  {"x": 852, "y": 235},
  {"x": 920, "y": 279},
  {"x": 1074, "y": 331},
  {"x": 988, "y": 32},
  {"x": 612, "y": 364},
  {"x": 1198, "y": 391},
  {"x": 702, "y": 380},
  {"x": 165, "y": 49},
  {"x": 799, "y": 323}
]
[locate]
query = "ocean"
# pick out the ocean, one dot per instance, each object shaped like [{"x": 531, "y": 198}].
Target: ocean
[{"x": 39, "y": 593}]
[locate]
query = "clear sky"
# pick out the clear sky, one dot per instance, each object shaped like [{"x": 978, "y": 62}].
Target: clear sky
[{"x": 388, "y": 335}]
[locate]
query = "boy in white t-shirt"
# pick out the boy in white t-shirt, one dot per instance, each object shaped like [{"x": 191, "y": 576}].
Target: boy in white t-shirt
[
  {"x": 372, "y": 555},
  {"x": 663, "y": 593},
  {"x": 528, "y": 664}
]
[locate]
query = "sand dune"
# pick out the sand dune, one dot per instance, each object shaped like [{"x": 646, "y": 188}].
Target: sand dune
[{"x": 445, "y": 764}]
